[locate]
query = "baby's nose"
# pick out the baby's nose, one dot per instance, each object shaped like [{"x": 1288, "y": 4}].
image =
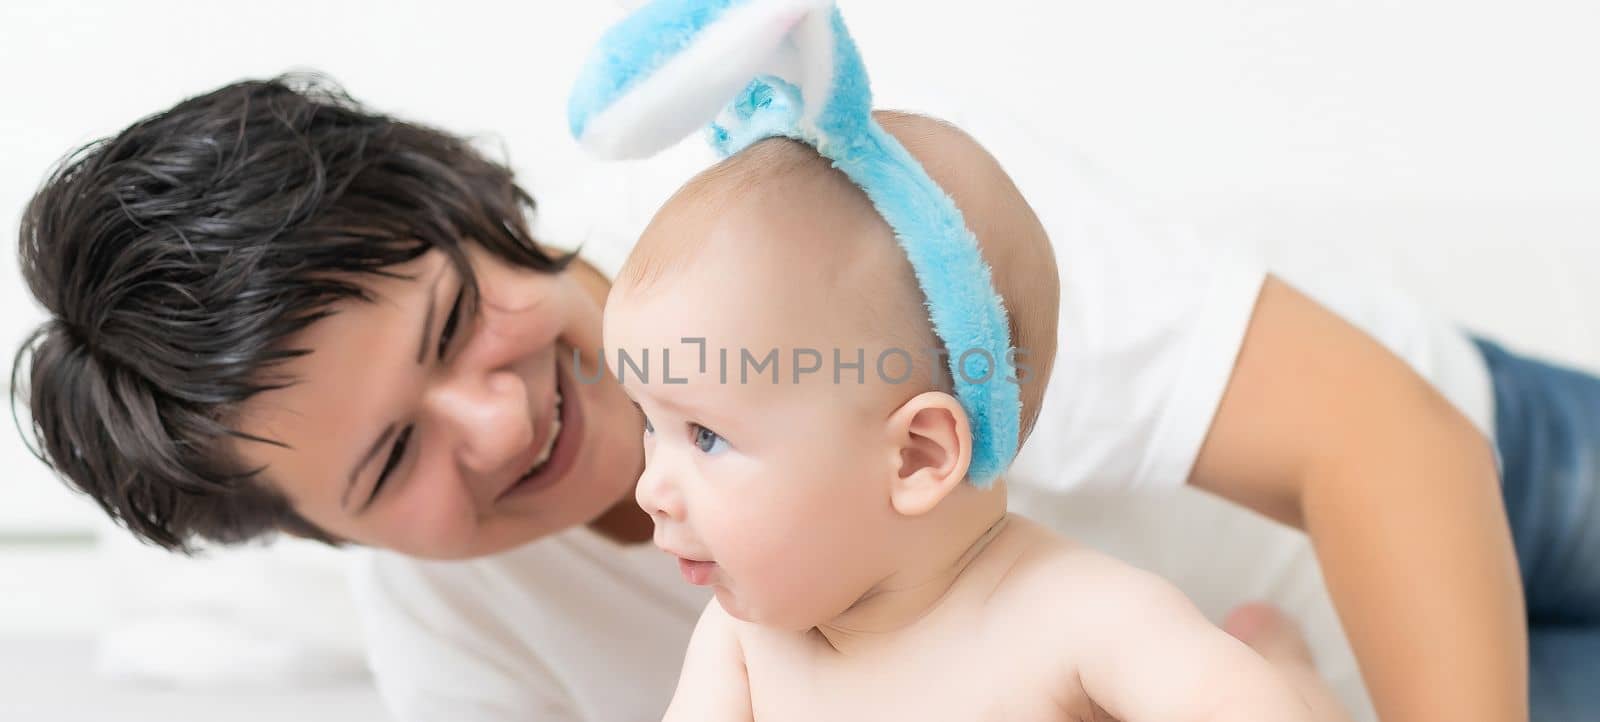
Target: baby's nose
[{"x": 657, "y": 495}]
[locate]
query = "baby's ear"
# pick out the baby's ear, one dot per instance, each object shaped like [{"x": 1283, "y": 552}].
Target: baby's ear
[{"x": 935, "y": 447}]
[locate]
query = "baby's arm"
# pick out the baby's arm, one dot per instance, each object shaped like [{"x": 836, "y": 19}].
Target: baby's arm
[
  {"x": 1144, "y": 652},
  {"x": 713, "y": 686}
]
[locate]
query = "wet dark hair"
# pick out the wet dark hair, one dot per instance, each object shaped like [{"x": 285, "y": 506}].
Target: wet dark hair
[{"x": 177, "y": 259}]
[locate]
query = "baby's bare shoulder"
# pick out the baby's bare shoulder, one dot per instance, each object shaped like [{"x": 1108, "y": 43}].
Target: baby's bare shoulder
[
  {"x": 1068, "y": 586},
  {"x": 1053, "y": 606}
]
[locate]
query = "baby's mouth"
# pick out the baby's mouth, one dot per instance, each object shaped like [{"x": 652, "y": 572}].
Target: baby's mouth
[{"x": 696, "y": 572}]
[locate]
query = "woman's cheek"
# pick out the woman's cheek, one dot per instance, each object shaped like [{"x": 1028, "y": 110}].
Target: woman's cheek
[
  {"x": 580, "y": 317},
  {"x": 432, "y": 522}
]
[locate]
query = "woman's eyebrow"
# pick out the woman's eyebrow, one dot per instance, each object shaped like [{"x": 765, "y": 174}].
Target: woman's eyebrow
[{"x": 350, "y": 486}]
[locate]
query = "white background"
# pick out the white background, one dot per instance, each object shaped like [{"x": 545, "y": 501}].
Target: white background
[{"x": 1449, "y": 145}]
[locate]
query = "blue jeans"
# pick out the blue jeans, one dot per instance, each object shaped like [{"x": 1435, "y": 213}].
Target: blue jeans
[{"x": 1547, "y": 428}]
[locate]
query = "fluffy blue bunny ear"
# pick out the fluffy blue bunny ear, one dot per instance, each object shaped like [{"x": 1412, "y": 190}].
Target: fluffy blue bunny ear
[
  {"x": 754, "y": 69},
  {"x": 666, "y": 69}
]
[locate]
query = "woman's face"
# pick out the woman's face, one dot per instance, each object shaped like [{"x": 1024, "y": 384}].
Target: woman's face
[{"x": 417, "y": 418}]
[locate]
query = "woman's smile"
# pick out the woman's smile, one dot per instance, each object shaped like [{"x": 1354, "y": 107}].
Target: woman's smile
[{"x": 558, "y": 444}]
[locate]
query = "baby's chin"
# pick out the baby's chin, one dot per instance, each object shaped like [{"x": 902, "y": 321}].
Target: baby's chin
[
  {"x": 775, "y": 616},
  {"x": 735, "y": 606}
]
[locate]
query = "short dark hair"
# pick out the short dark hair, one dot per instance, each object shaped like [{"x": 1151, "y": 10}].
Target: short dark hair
[{"x": 177, "y": 258}]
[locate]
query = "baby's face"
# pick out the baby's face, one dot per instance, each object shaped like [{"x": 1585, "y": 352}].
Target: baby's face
[{"x": 772, "y": 491}]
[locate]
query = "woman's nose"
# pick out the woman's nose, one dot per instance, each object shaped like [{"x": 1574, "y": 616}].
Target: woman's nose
[
  {"x": 656, "y": 492},
  {"x": 489, "y": 415}
]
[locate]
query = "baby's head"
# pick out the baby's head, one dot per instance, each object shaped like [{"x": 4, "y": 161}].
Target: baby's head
[{"x": 800, "y": 430}]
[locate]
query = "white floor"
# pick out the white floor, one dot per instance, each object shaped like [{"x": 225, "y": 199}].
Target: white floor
[
  {"x": 55, "y": 605},
  {"x": 47, "y": 680}
]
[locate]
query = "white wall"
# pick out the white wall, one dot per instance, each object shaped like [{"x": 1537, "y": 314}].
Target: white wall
[{"x": 1449, "y": 143}]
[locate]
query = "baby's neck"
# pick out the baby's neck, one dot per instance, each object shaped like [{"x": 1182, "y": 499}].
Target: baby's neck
[{"x": 917, "y": 591}]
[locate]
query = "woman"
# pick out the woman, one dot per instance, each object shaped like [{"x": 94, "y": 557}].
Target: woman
[{"x": 274, "y": 310}]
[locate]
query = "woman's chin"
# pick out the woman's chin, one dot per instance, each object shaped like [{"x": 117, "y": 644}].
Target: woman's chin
[{"x": 587, "y": 493}]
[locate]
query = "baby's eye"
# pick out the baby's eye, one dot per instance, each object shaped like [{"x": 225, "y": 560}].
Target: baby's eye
[
  {"x": 708, "y": 441},
  {"x": 648, "y": 429}
]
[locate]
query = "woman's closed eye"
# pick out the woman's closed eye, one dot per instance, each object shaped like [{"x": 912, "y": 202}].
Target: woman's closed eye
[
  {"x": 447, "y": 334},
  {"x": 397, "y": 453}
]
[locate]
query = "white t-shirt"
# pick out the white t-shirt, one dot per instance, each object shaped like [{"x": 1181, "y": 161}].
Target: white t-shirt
[
  {"x": 575, "y": 627},
  {"x": 1152, "y": 319}
]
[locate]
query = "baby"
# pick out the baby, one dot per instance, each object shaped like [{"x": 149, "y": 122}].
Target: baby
[{"x": 806, "y": 460}]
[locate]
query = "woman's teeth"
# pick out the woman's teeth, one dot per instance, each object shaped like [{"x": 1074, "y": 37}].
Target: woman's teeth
[{"x": 550, "y": 441}]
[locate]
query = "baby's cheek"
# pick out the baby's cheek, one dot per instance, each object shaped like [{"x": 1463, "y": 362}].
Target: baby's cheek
[
  {"x": 789, "y": 543},
  {"x": 762, "y": 547}
]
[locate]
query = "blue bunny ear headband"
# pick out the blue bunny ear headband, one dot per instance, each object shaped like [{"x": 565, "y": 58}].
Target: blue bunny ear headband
[{"x": 756, "y": 69}]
